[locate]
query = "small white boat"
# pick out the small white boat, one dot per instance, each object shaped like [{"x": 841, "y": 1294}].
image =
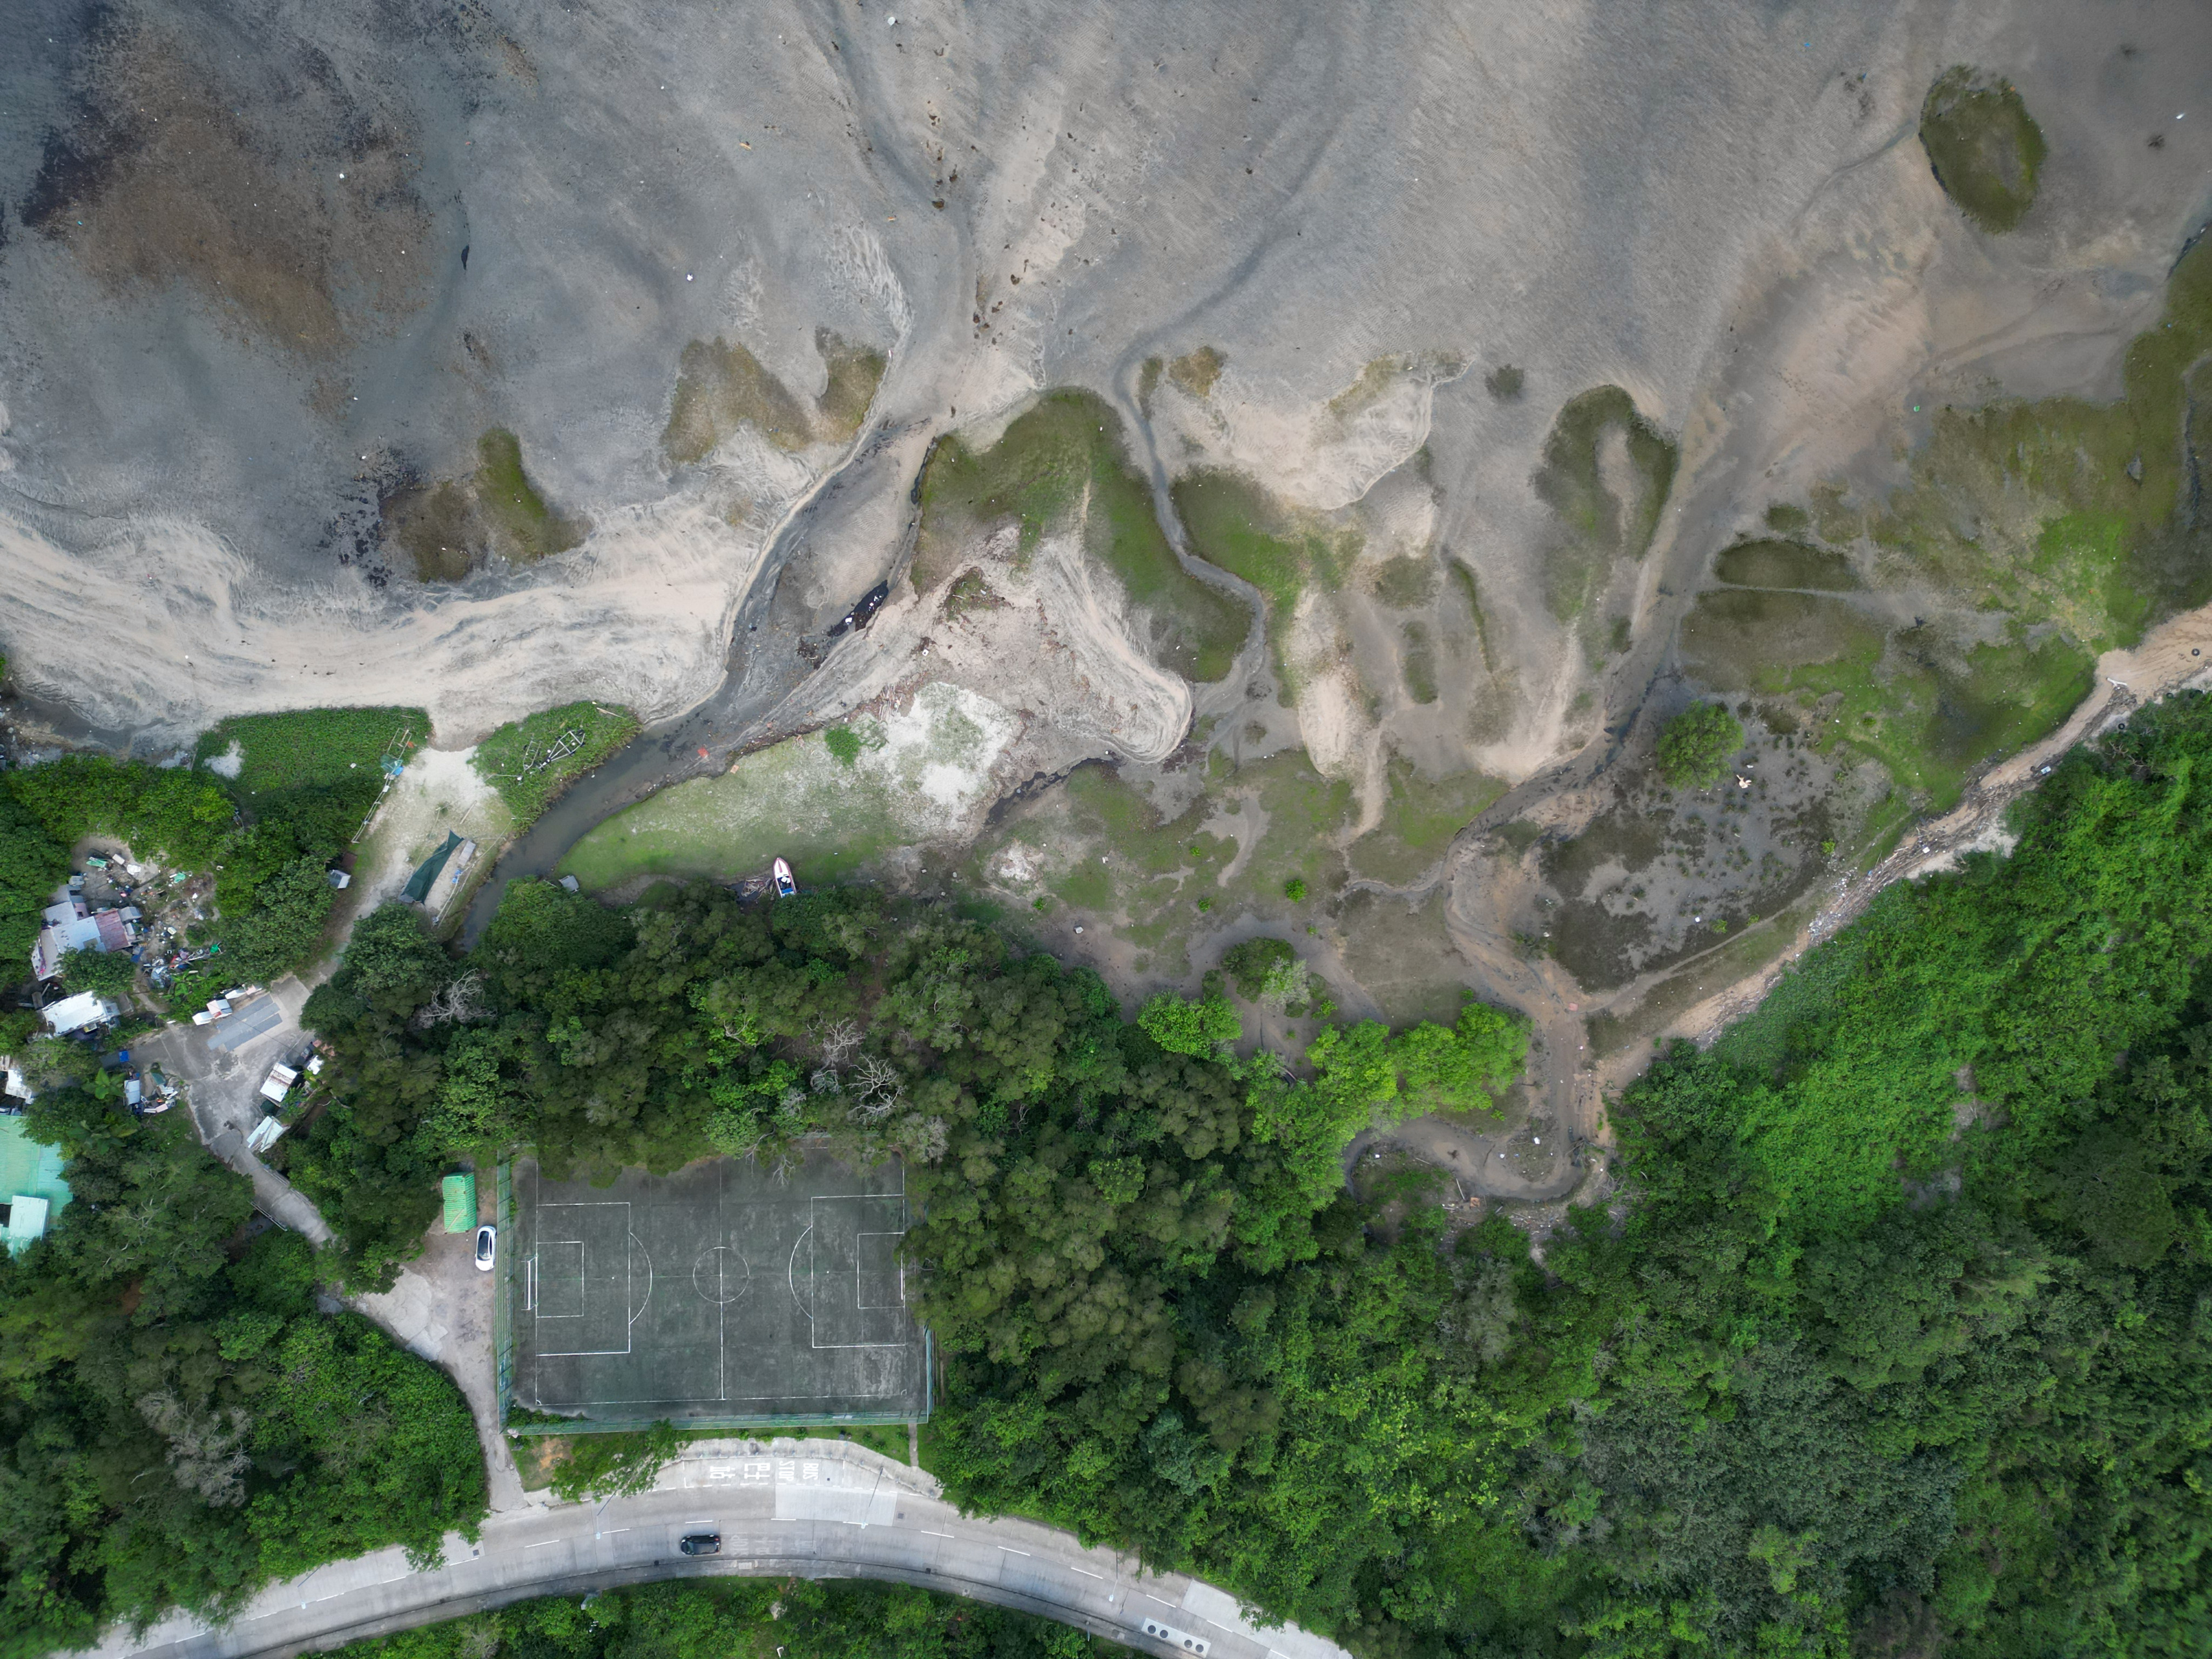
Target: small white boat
[{"x": 786, "y": 887}]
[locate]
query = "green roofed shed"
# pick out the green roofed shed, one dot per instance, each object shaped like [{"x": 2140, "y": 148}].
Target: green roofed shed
[
  {"x": 460, "y": 1203},
  {"x": 427, "y": 873}
]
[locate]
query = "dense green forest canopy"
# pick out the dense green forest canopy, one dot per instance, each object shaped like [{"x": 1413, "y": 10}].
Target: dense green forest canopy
[
  {"x": 179, "y": 1425},
  {"x": 695, "y": 1024},
  {"x": 743, "y": 1618},
  {"x": 1894, "y": 1335}
]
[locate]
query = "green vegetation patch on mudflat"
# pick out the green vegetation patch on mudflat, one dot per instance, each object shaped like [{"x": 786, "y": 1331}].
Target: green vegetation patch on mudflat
[
  {"x": 1063, "y": 456},
  {"x": 1985, "y": 147},
  {"x": 1601, "y": 525},
  {"x": 854, "y": 373},
  {"x": 1405, "y": 583},
  {"x": 1745, "y": 638},
  {"x": 531, "y": 761},
  {"x": 1417, "y": 656},
  {"x": 1235, "y": 524},
  {"x": 312, "y": 748},
  {"x": 721, "y": 387},
  {"x": 1785, "y": 564},
  {"x": 1420, "y": 818},
  {"x": 524, "y": 528},
  {"x": 1195, "y": 371},
  {"x": 449, "y": 528}
]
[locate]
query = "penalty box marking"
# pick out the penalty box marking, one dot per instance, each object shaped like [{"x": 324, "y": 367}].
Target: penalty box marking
[
  {"x": 806, "y": 1242},
  {"x": 633, "y": 1251}
]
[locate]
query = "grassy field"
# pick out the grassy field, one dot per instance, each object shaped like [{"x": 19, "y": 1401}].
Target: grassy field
[
  {"x": 312, "y": 748},
  {"x": 915, "y": 777},
  {"x": 512, "y": 759},
  {"x": 1064, "y": 455}
]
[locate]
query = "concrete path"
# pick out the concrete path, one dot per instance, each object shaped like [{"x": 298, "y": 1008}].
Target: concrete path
[{"x": 804, "y": 1508}]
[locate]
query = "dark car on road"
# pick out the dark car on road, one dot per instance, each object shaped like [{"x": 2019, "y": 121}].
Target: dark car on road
[{"x": 701, "y": 1543}]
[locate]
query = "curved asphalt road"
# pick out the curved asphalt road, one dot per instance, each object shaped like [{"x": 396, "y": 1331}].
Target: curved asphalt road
[{"x": 812, "y": 1510}]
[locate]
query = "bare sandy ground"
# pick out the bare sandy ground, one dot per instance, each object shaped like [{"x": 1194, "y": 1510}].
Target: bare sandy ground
[
  {"x": 1050, "y": 639},
  {"x": 1364, "y": 210},
  {"x": 440, "y": 792}
]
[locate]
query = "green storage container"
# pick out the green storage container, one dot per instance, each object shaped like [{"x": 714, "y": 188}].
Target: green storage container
[{"x": 460, "y": 1203}]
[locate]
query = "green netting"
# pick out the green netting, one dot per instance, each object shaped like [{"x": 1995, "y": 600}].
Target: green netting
[
  {"x": 418, "y": 885},
  {"x": 460, "y": 1203}
]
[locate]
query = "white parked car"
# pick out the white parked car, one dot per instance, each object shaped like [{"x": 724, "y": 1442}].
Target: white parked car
[{"x": 487, "y": 1246}]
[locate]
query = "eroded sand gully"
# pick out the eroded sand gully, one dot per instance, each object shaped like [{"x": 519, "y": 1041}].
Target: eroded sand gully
[{"x": 166, "y": 630}]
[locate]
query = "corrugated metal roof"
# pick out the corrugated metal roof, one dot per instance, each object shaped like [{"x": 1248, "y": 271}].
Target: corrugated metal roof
[{"x": 29, "y": 1170}]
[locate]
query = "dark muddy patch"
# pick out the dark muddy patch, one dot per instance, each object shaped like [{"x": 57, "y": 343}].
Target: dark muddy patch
[
  {"x": 284, "y": 202},
  {"x": 1659, "y": 876},
  {"x": 1784, "y": 564}
]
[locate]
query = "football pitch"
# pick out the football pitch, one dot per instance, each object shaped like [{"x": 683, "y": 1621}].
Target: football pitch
[{"x": 715, "y": 1295}]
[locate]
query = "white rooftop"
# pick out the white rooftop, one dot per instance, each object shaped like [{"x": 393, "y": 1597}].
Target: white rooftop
[{"x": 75, "y": 1013}]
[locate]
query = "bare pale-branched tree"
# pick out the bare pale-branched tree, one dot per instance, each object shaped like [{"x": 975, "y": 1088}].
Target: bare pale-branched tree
[
  {"x": 207, "y": 1451},
  {"x": 457, "y": 1004},
  {"x": 877, "y": 1090},
  {"x": 838, "y": 1040}
]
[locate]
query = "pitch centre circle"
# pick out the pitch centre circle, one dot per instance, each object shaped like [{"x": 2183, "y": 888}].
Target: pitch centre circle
[{"x": 721, "y": 1275}]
